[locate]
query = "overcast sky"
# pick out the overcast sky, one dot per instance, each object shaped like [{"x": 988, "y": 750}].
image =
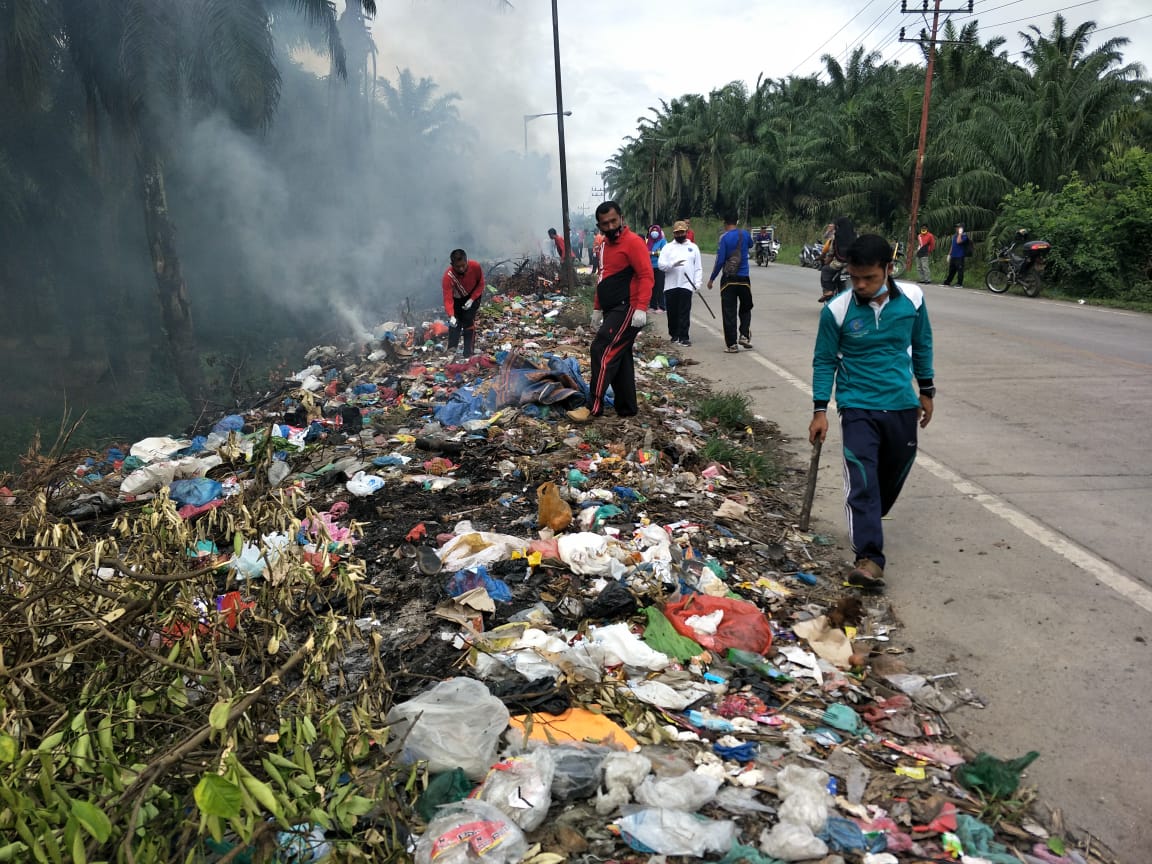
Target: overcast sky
[{"x": 619, "y": 58}]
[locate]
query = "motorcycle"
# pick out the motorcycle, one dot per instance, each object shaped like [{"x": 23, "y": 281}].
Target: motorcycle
[
  {"x": 898, "y": 262},
  {"x": 1021, "y": 262},
  {"x": 810, "y": 255},
  {"x": 766, "y": 250}
]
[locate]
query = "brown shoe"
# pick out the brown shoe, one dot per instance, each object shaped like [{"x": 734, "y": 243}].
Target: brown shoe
[
  {"x": 867, "y": 574},
  {"x": 579, "y": 415}
]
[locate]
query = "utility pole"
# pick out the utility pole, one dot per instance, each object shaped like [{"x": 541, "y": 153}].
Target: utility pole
[
  {"x": 566, "y": 266},
  {"x": 918, "y": 177}
]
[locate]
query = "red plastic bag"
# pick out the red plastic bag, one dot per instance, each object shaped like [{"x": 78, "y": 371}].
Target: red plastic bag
[{"x": 743, "y": 626}]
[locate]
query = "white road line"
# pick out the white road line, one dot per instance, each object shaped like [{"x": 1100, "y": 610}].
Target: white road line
[{"x": 1115, "y": 578}]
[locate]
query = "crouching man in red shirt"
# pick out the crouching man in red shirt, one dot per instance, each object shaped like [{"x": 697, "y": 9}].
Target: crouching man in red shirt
[{"x": 463, "y": 286}]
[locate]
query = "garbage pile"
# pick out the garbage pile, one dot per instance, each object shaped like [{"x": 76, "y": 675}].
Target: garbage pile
[{"x": 404, "y": 606}]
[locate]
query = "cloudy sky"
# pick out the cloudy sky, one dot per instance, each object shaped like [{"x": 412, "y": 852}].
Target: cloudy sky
[{"x": 618, "y": 58}]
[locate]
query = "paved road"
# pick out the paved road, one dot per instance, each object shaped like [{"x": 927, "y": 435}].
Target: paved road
[{"x": 1019, "y": 552}]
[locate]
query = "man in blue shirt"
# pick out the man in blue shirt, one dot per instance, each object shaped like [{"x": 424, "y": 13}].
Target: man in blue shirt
[
  {"x": 873, "y": 342},
  {"x": 735, "y": 287}
]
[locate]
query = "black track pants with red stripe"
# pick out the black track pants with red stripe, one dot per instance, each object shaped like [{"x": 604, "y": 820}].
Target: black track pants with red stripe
[{"x": 612, "y": 363}]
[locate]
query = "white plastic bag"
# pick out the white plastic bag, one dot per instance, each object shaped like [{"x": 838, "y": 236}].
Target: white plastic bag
[
  {"x": 674, "y": 832},
  {"x": 470, "y": 549},
  {"x": 629, "y": 648},
  {"x": 362, "y": 485},
  {"x": 791, "y": 842},
  {"x": 688, "y": 792},
  {"x": 521, "y": 787},
  {"x": 456, "y": 724},
  {"x": 148, "y": 479},
  {"x": 470, "y": 831}
]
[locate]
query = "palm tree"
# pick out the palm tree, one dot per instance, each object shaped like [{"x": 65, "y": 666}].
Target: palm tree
[{"x": 141, "y": 64}]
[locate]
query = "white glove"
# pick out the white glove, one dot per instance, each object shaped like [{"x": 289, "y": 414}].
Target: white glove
[
  {"x": 469, "y": 304},
  {"x": 639, "y": 318},
  {"x": 597, "y": 319},
  {"x": 452, "y": 321}
]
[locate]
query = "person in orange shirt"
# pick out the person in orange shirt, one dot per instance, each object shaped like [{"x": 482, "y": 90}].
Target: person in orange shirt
[
  {"x": 463, "y": 286},
  {"x": 597, "y": 250}
]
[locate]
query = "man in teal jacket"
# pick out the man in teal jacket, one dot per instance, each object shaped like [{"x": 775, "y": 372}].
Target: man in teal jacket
[{"x": 874, "y": 344}]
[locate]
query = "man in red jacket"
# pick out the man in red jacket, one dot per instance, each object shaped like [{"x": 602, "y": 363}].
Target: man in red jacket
[
  {"x": 622, "y": 296},
  {"x": 463, "y": 286}
]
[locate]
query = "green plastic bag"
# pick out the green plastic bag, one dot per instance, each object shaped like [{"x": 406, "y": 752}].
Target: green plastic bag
[
  {"x": 998, "y": 778},
  {"x": 662, "y": 637},
  {"x": 446, "y": 788}
]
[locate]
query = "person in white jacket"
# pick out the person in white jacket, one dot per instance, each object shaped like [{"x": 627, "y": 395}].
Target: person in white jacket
[{"x": 680, "y": 261}]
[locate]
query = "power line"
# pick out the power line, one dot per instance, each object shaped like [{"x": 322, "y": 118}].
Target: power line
[
  {"x": 1121, "y": 24},
  {"x": 871, "y": 27},
  {"x": 1041, "y": 14},
  {"x": 833, "y": 36}
]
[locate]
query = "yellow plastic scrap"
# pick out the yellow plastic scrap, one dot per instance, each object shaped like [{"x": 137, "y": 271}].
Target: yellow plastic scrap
[
  {"x": 916, "y": 772},
  {"x": 534, "y": 559}
]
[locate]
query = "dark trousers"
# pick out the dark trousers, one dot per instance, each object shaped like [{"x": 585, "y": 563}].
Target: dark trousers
[
  {"x": 736, "y": 308},
  {"x": 829, "y": 283},
  {"x": 679, "y": 303},
  {"x": 879, "y": 449},
  {"x": 465, "y": 324},
  {"x": 612, "y": 364},
  {"x": 657, "y": 301},
  {"x": 955, "y": 268}
]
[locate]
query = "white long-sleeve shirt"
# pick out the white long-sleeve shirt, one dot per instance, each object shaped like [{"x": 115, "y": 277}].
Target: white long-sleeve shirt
[{"x": 681, "y": 261}]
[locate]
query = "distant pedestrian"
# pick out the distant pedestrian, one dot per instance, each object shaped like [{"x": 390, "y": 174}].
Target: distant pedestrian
[
  {"x": 576, "y": 244},
  {"x": 463, "y": 286},
  {"x": 680, "y": 260},
  {"x": 960, "y": 248},
  {"x": 691, "y": 234},
  {"x": 619, "y": 313},
  {"x": 735, "y": 285},
  {"x": 874, "y": 345},
  {"x": 838, "y": 236},
  {"x": 596, "y": 250},
  {"x": 656, "y": 242},
  {"x": 926, "y": 245},
  {"x": 557, "y": 242}
]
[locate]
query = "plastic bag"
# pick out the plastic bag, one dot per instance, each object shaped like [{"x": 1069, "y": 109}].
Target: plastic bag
[
  {"x": 688, "y": 792},
  {"x": 196, "y": 492},
  {"x": 743, "y": 626},
  {"x": 471, "y": 831},
  {"x": 362, "y": 485},
  {"x": 470, "y": 549},
  {"x": 991, "y": 776},
  {"x": 791, "y": 842},
  {"x": 674, "y": 832},
  {"x": 662, "y": 636},
  {"x": 552, "y": 512},
  {"x": 627, "y": 647},
  {"x": 521, "y": 787},
  {"x": 456, "y": 724},
  {"x": 577, "y": 772}
]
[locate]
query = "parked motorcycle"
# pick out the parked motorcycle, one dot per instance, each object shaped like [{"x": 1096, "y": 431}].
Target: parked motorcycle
[
  {"x": 898, "y": 262},
  {"x": 810, "y": 255},
  {"x": 1021, "y": 262}
]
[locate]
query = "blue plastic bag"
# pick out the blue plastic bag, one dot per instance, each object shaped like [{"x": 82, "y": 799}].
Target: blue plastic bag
[
  {"x": 196, "y": 491},
  {"x": 466, "y": 580}
]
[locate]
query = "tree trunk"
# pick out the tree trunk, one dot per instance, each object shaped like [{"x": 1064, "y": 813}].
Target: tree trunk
[{"x": 175, "y": 310}]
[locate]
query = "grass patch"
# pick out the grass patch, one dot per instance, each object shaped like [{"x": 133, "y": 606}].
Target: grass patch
[
  {"x": 757, "y": 466},
  {"x": 729, "y": 410}
]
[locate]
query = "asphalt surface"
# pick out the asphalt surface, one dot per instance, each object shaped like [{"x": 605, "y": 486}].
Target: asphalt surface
[{"x": 1018, "y": 553}]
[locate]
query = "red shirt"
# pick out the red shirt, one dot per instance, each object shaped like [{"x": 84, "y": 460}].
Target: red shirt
[
  {"x": 559, "y": 241},
  {"x": 691, "y": 236},
  {"x": 625, "y": 273},
  {"x": 470, "y": 285}
]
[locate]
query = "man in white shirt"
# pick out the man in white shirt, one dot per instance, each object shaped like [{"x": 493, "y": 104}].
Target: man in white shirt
[{"x": 680, "y": 261}]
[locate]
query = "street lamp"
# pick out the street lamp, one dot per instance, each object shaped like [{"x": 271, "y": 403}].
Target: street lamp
[{"x": 528, "y": 117}]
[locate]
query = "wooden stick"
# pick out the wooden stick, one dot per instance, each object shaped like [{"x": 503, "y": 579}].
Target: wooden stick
[{"x": 810, "y": 490}]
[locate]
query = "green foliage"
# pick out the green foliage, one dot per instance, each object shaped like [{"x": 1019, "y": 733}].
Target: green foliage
[
  {"x": 141, "y": 725},
  {"x": 729, "y": 410},
  {"x": 845, "y": 142},
  {"x": 1101, "y": 232},
  {"x": 754, "y": 464}
]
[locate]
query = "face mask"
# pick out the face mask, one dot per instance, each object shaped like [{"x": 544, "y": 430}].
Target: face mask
[
  {"x": 655, "y": 235},
  {"x": 613, "y": 234},
  {"x": 683, "y": 239}
]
